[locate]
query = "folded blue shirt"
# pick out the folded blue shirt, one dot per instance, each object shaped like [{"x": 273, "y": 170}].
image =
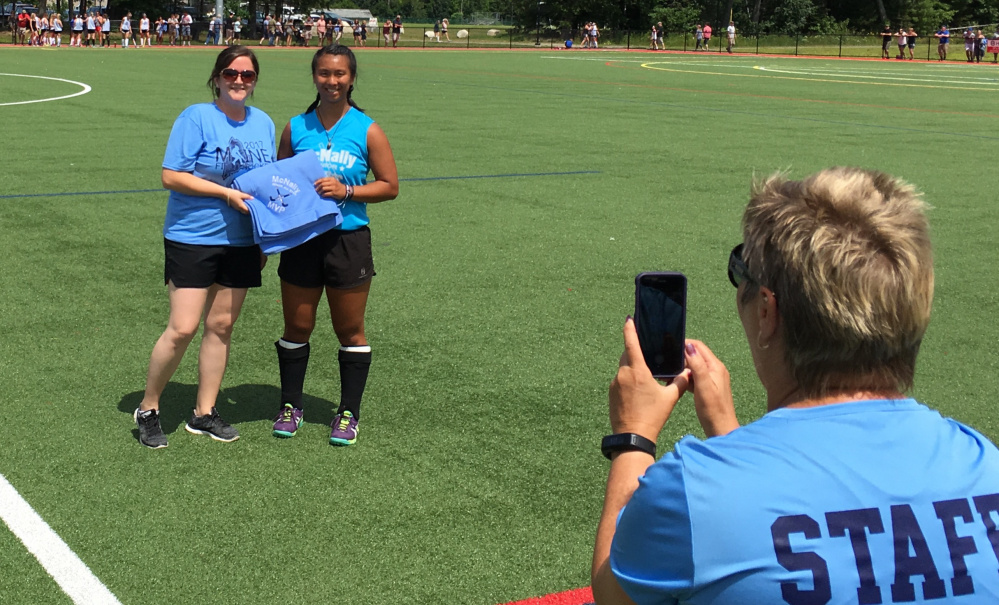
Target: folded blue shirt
[{"x": 286, "y": 210}]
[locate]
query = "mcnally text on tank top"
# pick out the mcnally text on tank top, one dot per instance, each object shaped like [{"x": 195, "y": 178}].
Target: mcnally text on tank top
[{"x": 331, "y": 158}]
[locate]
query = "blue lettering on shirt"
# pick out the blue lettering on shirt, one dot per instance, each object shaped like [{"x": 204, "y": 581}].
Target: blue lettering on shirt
[{"x": 209, "y": 145}]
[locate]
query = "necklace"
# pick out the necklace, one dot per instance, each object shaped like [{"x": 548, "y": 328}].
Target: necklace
[{"x": 329, "y": 131}]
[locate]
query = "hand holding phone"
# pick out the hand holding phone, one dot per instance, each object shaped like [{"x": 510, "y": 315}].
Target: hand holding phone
[{"x": 660, "y": 319}]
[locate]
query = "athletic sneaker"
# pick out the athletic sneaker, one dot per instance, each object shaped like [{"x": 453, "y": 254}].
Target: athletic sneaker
[
  {"x": 288, "y": 421},
  {"x": 344, "y": 429},
  {"x": 150, "y": 431},
  {"x": 213, "y": 426}
]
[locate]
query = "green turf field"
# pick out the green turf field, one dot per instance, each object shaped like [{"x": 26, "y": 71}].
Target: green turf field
[{"x": 495, "y": 317}]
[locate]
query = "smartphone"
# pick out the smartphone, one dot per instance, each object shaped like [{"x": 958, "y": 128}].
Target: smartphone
[{"x": 661, "y": 320}]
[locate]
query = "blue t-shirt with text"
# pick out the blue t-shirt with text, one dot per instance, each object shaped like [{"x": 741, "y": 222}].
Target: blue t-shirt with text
[
  {"x": 206, "y": 143},
  {"x": 343, "y": 152},
  {"x": 866, "y": 502}
]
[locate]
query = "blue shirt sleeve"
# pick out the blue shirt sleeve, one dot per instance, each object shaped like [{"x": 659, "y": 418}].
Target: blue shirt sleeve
[
  {"x": 651, "y": 555},
  {"x": 185, "y": 143}
]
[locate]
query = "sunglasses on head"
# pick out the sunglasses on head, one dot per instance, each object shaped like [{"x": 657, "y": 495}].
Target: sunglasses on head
[
  {"x": 230, "y": 75},
  {"x": 738, "y": 272}
]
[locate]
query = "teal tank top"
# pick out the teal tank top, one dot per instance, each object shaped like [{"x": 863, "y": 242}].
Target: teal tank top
[{"x": 343, "y": 152}]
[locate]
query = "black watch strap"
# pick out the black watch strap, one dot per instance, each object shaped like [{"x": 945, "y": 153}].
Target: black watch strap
[{"x": 621, "y": 442}]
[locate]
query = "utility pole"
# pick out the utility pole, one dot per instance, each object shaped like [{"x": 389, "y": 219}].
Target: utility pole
[{"x": 538, "y": 41}]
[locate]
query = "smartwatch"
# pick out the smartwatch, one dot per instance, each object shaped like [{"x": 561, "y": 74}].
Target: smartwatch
[{"x": 623, "y": 442}]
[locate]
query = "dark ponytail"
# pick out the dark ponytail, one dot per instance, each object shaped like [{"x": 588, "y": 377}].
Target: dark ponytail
[
  {"x": 314, "y": 105},
  {"x": 336, "y": 50}
]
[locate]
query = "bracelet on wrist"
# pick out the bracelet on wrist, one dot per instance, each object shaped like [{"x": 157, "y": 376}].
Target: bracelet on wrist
[{"x": 624, "y": 442}]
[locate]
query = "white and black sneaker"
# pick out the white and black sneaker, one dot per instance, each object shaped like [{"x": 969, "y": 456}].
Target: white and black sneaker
[
  {"x": 213, "y": 426},
  {"x": 150, "y": 431}
]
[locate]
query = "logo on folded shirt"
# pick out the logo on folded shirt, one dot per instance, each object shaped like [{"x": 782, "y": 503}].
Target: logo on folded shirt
[{"x": 284, "y": 188}]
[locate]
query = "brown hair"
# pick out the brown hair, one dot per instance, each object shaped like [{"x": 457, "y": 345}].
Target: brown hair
[{"x": 225, "y": 59}]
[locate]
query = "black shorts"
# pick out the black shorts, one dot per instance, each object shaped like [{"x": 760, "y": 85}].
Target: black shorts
[
  {"x": 194, "y": 266},
  {"x": 90, "y": 31},
  {"x": 338, "y": 259}
]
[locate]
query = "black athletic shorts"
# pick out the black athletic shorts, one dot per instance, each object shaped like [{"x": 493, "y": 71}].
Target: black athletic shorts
[
  {"x": 194, "y": 266},
  {"x": 337, "y": 259}
]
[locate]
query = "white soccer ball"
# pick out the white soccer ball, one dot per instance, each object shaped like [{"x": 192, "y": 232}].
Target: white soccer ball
[{"x": 462, "y": 33}]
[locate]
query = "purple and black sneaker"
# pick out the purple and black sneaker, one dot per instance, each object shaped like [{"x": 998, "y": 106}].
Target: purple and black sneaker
[
  {"x": 288, "y": 421},
  {"x": 344, "y": 429}
]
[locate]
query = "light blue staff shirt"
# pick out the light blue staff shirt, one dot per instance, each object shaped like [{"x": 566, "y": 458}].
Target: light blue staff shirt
[{"x": 880, "y": 501}]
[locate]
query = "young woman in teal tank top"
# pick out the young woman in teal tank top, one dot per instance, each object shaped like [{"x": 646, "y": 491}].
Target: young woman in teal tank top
[{"x": 349, "y": 145}]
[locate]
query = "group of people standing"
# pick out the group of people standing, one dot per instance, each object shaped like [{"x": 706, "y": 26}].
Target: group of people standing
[
  {"x": 289, "y": 32},
  {"x": 211, "y": 259},
  {"x": 904, "y": 39},
  {"x": 702, "y": 36},
  {"x": 176, "y": 29},
  {"x": 591, "y": 35},
  {"x": 976, "y": 44},
  {"x": 95, "y": 29},
  {"x": 440, "y": 28},
  {"x": 39, "y": 29}
]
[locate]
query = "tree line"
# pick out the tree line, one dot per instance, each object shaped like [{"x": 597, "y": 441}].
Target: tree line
[{"x": 795, "y": 17}]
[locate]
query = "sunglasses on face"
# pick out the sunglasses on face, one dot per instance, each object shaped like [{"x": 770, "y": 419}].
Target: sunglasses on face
[
  {"x": 230, "y": 75},
  {"x": 738, "y": 272}
]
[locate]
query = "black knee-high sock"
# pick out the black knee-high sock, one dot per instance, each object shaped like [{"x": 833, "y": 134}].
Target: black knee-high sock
[
  {"x": 353, "y": 376},
  {"x": 292, "y": 364}
]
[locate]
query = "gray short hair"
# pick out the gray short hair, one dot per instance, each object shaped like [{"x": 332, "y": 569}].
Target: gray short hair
[{"x": 847, "y": 253}]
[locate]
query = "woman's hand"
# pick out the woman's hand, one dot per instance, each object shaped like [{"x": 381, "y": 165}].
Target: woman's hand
[
  {"x": 331, "y": 188},
  {"x": 638, "y": 403},
  {"x": 712, "y": 390},
  {"x": 234, "y": 199}
]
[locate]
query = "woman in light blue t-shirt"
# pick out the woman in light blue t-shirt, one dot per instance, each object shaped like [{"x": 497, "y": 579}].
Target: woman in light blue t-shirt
[{"x": 211, "y": 258}]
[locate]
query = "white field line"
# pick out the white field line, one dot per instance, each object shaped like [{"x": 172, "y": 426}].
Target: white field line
[
  {"x": 938, "y": 79},
  {"x": 85, "y": 90},
  {"x": 72, "y": 575},
  {"x": 936, "y": 76}
]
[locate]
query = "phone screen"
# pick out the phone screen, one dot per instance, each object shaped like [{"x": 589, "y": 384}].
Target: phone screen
[{"x": 660, "y": 318}]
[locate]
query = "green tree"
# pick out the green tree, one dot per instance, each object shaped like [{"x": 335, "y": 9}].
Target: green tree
[
  {"x": 676, "y": 15},
  {"x": 927, "y": 15},
  {"x": 793, "y": 16}
]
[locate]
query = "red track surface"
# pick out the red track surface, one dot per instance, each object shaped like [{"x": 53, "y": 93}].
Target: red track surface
[{"x": 580, "y": 596}]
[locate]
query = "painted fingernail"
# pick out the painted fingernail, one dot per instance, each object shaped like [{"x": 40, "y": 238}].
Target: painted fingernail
[
  {"x": 691, "y": 350},
  {"x": 627, "y": 319}
]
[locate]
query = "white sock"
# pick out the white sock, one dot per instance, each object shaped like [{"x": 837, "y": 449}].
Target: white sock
[
  {"x": 284, "y": 344},
  {"x": 357, "y": 349}
]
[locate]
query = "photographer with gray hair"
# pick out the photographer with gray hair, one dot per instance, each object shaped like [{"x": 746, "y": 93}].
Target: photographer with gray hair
[{"x": 846, "y": 490}]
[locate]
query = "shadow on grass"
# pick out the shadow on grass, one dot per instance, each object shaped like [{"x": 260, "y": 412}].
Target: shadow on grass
[{"x": 236, "y": 405}]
